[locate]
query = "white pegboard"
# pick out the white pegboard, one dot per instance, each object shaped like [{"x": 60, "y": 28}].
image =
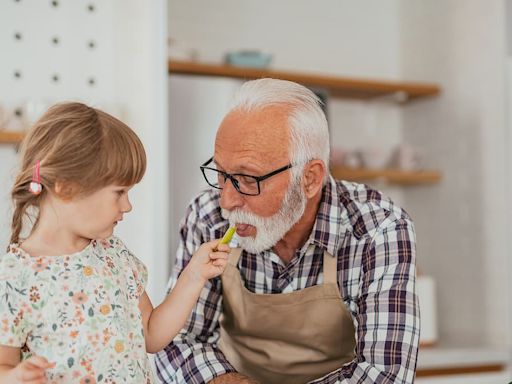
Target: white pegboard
[
  {"x": 54, "y": 50},
  {"x": 51, "y": 50},
  {"x": 129, "y": 68}
]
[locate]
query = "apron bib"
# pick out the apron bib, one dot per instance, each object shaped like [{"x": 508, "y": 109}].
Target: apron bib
[{"x": 287, "y": 338}]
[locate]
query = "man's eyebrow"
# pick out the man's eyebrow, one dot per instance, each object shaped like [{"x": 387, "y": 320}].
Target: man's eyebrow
[
  {"x": 216, "y": 164},
  {"x": 243, "y": 169}
]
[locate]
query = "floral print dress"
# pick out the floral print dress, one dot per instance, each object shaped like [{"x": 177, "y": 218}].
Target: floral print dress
[{"x": 79, "y": 311}]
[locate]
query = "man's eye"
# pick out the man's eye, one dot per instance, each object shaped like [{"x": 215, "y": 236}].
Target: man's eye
[{"x": 247, "y": 180}]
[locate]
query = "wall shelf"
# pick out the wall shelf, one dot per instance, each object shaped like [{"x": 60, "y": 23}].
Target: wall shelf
[
  {"x": 10, "y": 137},
  {"x": 338, "y": 86},
  {"x": 444, "y": 361},
  {"x": 390, "y": 176}
]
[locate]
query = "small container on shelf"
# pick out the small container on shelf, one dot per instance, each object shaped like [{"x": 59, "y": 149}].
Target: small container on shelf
[
  {"x": 247, "y": 58},
  {"x": 177, "y": 50},
  {"x": 407, "y": 157},
  {"x": 11, "y": 126},
  {"x": 346, "y": 158},
  {"x": 426, "y": 291},
  {"x": 375, "y": 157},
  {"x": 16, "y": 117}
]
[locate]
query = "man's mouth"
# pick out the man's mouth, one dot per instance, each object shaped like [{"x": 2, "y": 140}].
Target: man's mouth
[{"x": 243, "y": 229}]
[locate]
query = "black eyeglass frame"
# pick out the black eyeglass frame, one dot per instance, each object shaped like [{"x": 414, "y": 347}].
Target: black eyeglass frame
[{"x": 231, "y": 177}]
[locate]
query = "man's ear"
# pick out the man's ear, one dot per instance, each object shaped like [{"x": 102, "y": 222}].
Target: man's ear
[
  {"x": 65, "y": 190},
  {"x": 313, "y": 177}
]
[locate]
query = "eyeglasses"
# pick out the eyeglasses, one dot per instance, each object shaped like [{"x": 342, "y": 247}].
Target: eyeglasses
[{"x": 244, "y": 184}]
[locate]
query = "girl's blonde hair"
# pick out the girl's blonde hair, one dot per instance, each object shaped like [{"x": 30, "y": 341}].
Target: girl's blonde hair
[{"x": 78, "y": 145}]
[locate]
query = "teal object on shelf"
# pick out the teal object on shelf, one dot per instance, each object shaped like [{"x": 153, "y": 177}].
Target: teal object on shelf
[{"x": 253, "y": 59}]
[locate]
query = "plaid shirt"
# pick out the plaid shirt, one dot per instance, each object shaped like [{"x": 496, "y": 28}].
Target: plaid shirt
[{"x": 374, "y": 243}]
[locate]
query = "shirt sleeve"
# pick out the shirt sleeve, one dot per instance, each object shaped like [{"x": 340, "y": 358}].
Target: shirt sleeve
[
  {"x": 14, "y": 302},
  {"x": 193, "y": 356},
  {"x": 387, "y": 319}
]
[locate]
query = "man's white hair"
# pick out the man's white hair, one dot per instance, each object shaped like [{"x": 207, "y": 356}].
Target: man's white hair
[{"x": 309, "y": 134}]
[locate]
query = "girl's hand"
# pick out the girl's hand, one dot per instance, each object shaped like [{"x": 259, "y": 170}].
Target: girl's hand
[
  {"x": 31, "y": 371},
  {"x": 209, "y": 261}
]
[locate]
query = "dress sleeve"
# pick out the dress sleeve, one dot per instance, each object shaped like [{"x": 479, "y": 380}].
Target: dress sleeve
[
  {"x": 15, "y": 306},
  {"x": 137, "y": 271},
  {"x": 140, "y": 274}
]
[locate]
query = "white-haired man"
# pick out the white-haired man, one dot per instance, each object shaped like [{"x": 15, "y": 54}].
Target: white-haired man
[{"x": 321, "y": 281}]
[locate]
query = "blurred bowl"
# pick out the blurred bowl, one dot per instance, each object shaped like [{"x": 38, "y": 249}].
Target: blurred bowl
[{"x": 253, "y": 59}]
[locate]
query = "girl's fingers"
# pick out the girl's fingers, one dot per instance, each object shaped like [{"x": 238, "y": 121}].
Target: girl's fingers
[
  {"x": 32, "y": 374},
  {"x": 33, "y": 370},
  {"x": 218, "y": 255},
  {"x": 219, "y": 263},
  {"x": 40, "y": 362},
  {"x": 223, "y": 248},
  {"x": 38, "y": 381}
]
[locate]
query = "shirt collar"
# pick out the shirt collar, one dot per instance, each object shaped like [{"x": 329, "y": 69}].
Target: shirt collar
[{"x": 330, "y": 224}]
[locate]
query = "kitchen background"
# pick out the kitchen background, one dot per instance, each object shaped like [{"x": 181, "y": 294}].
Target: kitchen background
[{"x": 449, "y": 150}]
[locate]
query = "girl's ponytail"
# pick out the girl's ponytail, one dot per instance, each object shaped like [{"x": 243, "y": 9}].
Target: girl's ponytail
[
  {"x": 20, "y": 210},
  {"x": 23, "y": 199}
]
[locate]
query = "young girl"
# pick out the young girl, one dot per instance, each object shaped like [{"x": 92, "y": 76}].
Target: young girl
[{"x": 73, "y": 306}]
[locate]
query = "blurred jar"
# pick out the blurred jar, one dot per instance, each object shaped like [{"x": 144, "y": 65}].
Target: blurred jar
[
  {"x": 407, "y": 158},
  {"x": 426, "y": 291}
]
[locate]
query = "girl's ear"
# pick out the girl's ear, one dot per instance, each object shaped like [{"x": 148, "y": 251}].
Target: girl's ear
[{"x": 65, "y": 190}]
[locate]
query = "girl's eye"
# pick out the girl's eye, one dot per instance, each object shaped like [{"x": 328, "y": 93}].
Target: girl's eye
[{"x": 120, "y": 193}]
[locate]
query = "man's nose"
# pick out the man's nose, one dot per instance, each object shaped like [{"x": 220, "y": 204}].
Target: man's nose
[{"x": 230, "y": 198}]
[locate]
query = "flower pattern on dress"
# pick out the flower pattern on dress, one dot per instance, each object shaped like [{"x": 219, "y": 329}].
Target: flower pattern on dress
[{"x": 79, "y": 311}]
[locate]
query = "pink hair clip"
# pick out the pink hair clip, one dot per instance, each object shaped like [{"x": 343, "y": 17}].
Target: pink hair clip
[{"x": 35, "y": 186}]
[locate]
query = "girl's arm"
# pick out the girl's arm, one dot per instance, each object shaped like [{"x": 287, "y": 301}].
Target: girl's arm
[
  {"x": 163, "y": 323},
  {"x": 30, "y": 371}
]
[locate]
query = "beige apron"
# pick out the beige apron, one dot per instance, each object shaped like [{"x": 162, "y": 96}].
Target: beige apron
[{"x": 288, "y": 338}]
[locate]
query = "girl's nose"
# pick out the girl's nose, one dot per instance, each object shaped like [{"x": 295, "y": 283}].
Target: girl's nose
[{"x": 127, "y": 206}]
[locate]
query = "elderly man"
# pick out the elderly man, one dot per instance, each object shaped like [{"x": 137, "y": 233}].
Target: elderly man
[{"x": 320, "y": 287}]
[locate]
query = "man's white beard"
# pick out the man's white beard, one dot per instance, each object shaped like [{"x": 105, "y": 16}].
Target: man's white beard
[{"x": 269, "y": 230}]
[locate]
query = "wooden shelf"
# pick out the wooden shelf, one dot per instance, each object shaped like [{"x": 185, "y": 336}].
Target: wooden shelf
[
  {"x": 9, "y": 137},
  {"x": 485, "y": 368},
  {"x": 338, "y": 86},
  {"x": 391, "y": 176},
  {"x": 443, "y": 361}
]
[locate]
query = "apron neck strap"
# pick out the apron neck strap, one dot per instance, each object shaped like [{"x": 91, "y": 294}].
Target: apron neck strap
[
  {"x": 234, "y": 256},
  {"x": 330, "y": 268}
]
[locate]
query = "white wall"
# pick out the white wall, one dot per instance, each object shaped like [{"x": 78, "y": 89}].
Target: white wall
[
  {"x": 129, "y": 68},
  {"x": 463, "y": 222}
]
